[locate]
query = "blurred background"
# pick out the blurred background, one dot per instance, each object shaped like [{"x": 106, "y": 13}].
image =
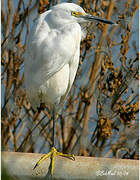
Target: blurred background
[{"x": 100, "y": 114}]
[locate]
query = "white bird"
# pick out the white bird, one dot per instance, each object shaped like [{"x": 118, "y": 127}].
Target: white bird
[{"x": 52, "y": 58}]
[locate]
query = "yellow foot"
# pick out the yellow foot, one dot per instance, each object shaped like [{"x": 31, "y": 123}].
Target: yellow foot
[{"x": 52, "y": 154}]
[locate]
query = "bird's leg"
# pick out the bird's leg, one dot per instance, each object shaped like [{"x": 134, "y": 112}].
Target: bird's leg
[
  {"x": 54, "y": 126},
  {"x": 53, "y": 153}
]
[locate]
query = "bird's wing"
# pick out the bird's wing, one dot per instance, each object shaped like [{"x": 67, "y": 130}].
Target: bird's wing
[
  {"x": 48, "y": 50},
  {"x": 73, "y": 66}
]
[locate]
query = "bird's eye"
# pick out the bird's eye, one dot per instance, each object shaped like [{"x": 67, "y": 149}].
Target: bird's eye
[{"x": 74, "y": 13}]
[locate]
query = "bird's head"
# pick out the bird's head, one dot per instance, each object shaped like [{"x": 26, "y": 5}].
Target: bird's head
[{"x": 70, "y": 12}]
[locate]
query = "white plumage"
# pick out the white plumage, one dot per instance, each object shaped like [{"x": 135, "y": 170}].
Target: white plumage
[{"x": 52, "y": 55}]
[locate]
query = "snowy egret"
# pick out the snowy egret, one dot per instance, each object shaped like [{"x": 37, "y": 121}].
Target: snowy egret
[{"x": 52, "y": 58}]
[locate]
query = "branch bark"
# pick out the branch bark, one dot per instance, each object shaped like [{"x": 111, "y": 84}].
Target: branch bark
[{"x": 20, "y": 165}]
